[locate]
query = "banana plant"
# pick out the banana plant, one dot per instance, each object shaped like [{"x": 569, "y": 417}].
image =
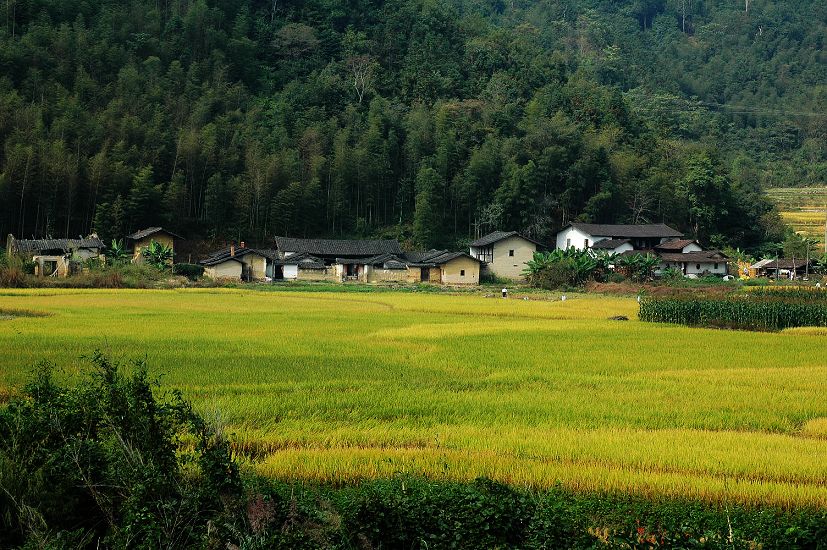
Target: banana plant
[{"x": 158, "y": 255}]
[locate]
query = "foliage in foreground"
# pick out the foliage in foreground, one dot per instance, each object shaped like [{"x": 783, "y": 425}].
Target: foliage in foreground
[
  {"x": 101, "y": 463},
  {"x": 406, "y": 512},
  {"x": 761, "y": 309}
]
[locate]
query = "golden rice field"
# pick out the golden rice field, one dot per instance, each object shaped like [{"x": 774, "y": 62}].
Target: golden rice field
[
  {"x": 804, "y": 208},
  {"x": 338, "y": 387}
]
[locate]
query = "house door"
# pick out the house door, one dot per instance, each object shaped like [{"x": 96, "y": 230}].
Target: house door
[{"x": 425, "y": 274}]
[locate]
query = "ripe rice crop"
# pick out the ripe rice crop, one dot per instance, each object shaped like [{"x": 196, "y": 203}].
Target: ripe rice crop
[
  {"x": 760, "y": 309},
  {"x": 338, "y": 387}
]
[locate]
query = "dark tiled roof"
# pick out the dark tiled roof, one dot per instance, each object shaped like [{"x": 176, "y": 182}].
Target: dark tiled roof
[
  {"x": 677, "y": 244},
  {"x": 387, "y": 261},
  {"x": 337, "y": 247},
  {"x": 642, "y": 231},
  {"x": 215, "y": 260},
  {"x": 421, "y": 256},
  {"x": 224, "y": 254},
  {"x": 783, "y": 263},
  {"x": 609, "y": 244},
  {"x": 303, "y": 260},
  {"x": 143, "y": 233},
  {"x": 497, "y": 236},
  {"x": 439, "y": 257},
  {"x": 696, "y": 257},
  {"x": 35, "y": 245}
]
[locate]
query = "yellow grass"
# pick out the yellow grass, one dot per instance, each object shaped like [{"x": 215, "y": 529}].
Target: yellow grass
[{"x": 346, "y": 386}]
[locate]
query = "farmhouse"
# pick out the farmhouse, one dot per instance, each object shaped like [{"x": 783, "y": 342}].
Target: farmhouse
[
  {"x": 328, "y": 250},
  {"x": 140, "y": 240},
  {"x": 441, "y": 266},
  {"x": 303, "y": 266},
  {"x": 641, "y": 237},
  {"x": 246, "y": 264},
  {"x": 504, "y": 253},
  {"x": 55, "y": 257},
  {"x": 784, "y": 268},
  {"x": 695, "y": 262}
]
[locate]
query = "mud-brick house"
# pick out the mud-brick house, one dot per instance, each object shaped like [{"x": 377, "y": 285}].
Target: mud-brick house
[
  {"x": 239, "y": 263},
  {"x": 55, "y": 257},
  {"x": 504, "y": 253},
  {"x": 140, "y": 240},
  {"x": 444, "y": 267},
  {"x": 339, "y": 257}
]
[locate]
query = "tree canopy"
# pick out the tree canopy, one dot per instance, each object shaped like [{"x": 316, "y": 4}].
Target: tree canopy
[{"x": 426, "y": 120}]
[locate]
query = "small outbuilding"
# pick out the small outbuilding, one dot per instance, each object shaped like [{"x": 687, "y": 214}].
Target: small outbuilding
[
  {"x": 140, "y": 240},
  {"x": 55, "y": 257}
]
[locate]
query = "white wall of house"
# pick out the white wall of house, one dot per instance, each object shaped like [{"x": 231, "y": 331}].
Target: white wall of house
[
  {"x": 510, "y": 256},
  {"x": 696, "y": 268},
  {"x": 571, "y": 237},
  {"x": 291, "y": 271}
]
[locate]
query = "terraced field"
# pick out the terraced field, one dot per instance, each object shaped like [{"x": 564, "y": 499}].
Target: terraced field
[
  {"x": 804, "y": 208},
  {"x": 344, "y": 386}
]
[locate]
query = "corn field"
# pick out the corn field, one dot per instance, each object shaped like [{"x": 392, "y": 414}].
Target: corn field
[{"x": 759, "y": 309}]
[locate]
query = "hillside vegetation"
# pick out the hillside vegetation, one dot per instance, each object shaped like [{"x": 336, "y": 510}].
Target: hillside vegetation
[
  {"x": 428, "y": 120},
  {"x": 346, "y": 387}
]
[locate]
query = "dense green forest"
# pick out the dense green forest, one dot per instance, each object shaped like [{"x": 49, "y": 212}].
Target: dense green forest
[{"x": 427, "y": 120}]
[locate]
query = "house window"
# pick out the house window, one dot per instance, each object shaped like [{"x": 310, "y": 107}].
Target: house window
[
  {"x": 511, "y": 253},
  {"x": 586, "y": 243},
  {"x": 462, "y": 273},
  {"x": 716, "y": 266},
  {"x": 568, "y": 243},
  {"x": 697, "y": 266}
]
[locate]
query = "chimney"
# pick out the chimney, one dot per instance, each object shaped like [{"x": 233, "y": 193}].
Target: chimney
[
  {"x": 241, "y": 244},
  {"x": 232, "y": 251}
]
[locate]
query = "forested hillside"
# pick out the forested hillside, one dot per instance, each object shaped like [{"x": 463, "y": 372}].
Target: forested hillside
[{"x": 426, "y": 120}]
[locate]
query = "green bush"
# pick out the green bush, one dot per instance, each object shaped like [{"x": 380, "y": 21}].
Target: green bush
[
  {"x": 190, "y": 271},
  {"x": 101, "y": 464}
]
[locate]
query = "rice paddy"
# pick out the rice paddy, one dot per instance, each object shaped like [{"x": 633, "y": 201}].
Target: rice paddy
[
  {"x": 804, "y": 208},
  {"x": 338, "y": 387}
]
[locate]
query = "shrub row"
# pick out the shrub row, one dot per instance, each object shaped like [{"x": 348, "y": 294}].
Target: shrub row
[
  {"x": 416, "y": 513},
  {"x": 771, "y": 310}
]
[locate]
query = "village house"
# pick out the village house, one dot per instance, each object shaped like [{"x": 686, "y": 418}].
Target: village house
[
  {"x": 368, "y": 261},
  {"x": 686, "y": 256},
  {"x": 241, "y": 263},
  {"x": 336, "y": 256},
  {"x": 695, "y": 263},
  {"x": 583, "y": 236},
  {"x": 781, "y": 268},
  {"x": 140, "y": 240},
  {"x": 55, "y": 257},
  {"x": 504, "y": 254}
]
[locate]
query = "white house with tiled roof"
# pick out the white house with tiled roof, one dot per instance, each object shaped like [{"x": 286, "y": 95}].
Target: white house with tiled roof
[{"x": 641, "y": 236}]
